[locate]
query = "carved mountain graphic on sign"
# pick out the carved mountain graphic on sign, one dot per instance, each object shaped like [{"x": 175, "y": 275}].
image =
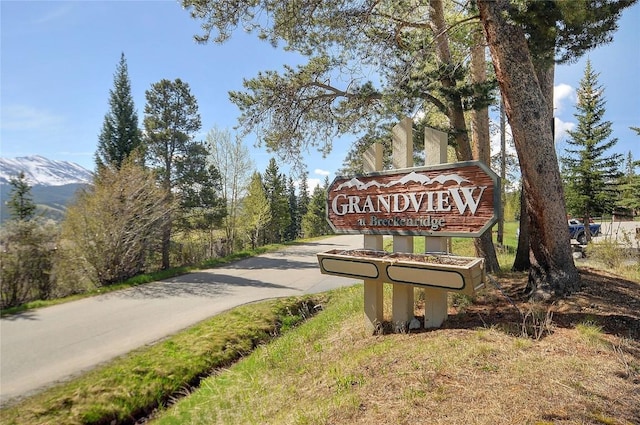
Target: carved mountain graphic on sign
[
  {"x": 354, "y": 182},
  {"x": 412, "y": 177}
]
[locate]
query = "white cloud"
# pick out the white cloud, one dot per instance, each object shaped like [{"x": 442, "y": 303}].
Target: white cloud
[
  {"x": 320, "y": 172},
  {"x": 313, "y": 183},
  {"x": 562, "y": 93},
  {"x": 561, "y": 128},
  {"x": 53, "y": 15}
]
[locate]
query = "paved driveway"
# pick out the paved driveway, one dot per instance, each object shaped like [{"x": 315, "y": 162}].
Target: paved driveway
[
  {"x": 625, "y": 233},
  {"x": 41, "y": 347}
]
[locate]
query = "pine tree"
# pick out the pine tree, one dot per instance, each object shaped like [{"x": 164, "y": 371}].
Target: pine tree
[
  {"x": 314, "y": 222},
  {"x": 28, "y": 248},
  {"x": 200, "y": 187},
  {"x": 171, "y": 119},
  {"x": 591, "y": 174},
  {"x": 630, "y": 186},
  {"x": 276, "y": 191},
  {"x": 293, "y": 230},
  {"x": 20, "y": 202},
  {"x": 120, "y": 135},
  {"x": 303, "y": 200}
]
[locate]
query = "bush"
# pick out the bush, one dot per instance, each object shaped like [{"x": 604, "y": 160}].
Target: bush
[
  {"x": 108, "y": 232},
  {"x": 26, "y": 259},
  {"x": 618, "y": 259}
]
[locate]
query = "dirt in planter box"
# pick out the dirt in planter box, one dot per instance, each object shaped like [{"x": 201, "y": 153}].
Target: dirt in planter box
[{"x": 405, "y": 256}]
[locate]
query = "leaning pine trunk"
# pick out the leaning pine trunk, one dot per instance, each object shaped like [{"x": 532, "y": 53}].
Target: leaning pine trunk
[
  {"x": 482, "y": 145},
  {"x": 552, "y": 272}
]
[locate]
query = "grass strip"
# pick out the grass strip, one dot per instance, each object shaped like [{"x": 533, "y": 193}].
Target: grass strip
[
  {"x": 330, "y": 371},
  {"x": 134, "y": 385}
]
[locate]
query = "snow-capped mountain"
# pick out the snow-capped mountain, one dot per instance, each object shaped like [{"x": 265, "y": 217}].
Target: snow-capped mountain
[{"x": 39, "y": 170}]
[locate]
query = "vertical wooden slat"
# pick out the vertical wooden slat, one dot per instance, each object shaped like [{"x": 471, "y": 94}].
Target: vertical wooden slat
[
  {"x": 373, "y": 291},
  {"x": 402, "y": 157},
  {"x": 435, "y": 312}
]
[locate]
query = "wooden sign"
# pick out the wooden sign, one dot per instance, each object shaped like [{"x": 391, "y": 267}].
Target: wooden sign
[{"x": 457, "y": 199}]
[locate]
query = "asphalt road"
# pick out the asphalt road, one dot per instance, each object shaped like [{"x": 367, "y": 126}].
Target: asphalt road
[{"x": 41, "y": 347}]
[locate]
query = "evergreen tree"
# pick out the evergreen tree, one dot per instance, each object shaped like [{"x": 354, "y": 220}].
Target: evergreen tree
[
  {"x": 27, "y": 258},
  {"x": 293, "y": 230},
  {"x": 303, "y": 200},
  {"x": 170, "y": 122},
  {"x": 120, "y": 135},
  {"x": 276, "y": 192},
  {"x": 20, "y": 202},
  {"x": 256, "y": 212},
  {"x": 591, "y": 174},
  {"x": 314, "y": 222},
  {"x": 28, "y": 249},
  {"x": 630, "y": 186},
  {"x": 199, "y": 184}
]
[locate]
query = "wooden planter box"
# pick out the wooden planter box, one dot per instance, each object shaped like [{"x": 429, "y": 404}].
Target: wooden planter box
[{"x": 449, "y": 272}]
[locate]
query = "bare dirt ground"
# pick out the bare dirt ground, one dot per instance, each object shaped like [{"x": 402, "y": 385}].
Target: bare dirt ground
[
  {"x": 606, "y": 300},
  {"x": 580, "y": 364}
]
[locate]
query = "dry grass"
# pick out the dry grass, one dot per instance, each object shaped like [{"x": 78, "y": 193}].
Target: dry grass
[{"x": 486, "y": 366}]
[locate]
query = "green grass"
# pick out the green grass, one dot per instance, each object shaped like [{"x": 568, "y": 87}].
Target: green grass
[
  {"x": 329, "y": 370},
  {"x": 231, "y": 396},
  {"x": 149, "y": 377},
  {"x": 591, "y": 333},
  {"x": 464, "y": 246}
]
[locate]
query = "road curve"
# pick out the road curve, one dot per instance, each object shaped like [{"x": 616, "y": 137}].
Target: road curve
[{"x": 41, "y": 347}]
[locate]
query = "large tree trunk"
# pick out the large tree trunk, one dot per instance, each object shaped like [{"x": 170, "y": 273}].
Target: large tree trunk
[
  {"x": 482, "y": 145},
  {"x": 484, "y": 245},
  {"x": 522, "y": 261},
  {"x": 552, "y": 272},
  {"x": 166, "y": 229},
  {"x": 455, "y": 111}
]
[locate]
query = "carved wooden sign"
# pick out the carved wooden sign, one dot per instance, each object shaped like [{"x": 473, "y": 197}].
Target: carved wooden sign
[{"x": 457, "y": 199}]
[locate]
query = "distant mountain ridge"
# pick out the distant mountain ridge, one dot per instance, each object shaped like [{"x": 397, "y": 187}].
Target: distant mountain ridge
[
  {"x": 53, "y": 183},
  {"x": 39, "y": 170}
]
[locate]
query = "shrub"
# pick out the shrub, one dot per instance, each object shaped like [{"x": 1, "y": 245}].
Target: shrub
[
  {"x": 110, "y": 229},
  {"x": 26, "y": 259}
]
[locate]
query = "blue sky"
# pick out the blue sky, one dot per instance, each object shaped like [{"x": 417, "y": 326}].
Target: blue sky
[{"x": 58, "y": 59}]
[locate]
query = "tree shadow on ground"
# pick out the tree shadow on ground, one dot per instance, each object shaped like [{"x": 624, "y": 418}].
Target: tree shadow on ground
[
  {"x": 22, "y": 315},
  {"x": 198, "y": 284},
  {"x": 607, "y": 301},
  {"x": 279, "y": 261}
]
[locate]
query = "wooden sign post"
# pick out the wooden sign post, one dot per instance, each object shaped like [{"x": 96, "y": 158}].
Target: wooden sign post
[
  {"x": 373, "y": 292},
  {"x": 402, "y": 157},
  {"x": 438, "y": 201},
  {"x": 435, "y": 300}
]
